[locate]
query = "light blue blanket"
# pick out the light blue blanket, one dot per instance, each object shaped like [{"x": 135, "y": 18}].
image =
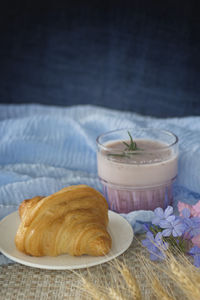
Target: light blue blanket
[{"x": 43, "y": 149}]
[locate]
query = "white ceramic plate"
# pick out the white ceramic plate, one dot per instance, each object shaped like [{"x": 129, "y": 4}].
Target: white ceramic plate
[{"x": 119, "y": 229}]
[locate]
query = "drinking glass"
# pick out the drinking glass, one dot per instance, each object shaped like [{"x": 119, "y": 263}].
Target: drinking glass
[{"x": 137, "y": 168}]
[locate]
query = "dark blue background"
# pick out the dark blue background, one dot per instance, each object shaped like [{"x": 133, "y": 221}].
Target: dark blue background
[{"x": 128, "y": 55}]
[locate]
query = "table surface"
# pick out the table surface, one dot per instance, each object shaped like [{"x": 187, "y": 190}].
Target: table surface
[{"x": 22, "y": 282}]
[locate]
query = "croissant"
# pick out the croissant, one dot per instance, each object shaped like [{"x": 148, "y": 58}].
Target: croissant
[{"x": 73, "y": 221}]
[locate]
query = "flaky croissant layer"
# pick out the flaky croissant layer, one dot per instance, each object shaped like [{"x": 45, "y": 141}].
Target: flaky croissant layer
[{"x": 73, "y": 220}]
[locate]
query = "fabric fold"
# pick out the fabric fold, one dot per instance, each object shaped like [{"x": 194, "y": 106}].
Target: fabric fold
[{"x": 44, "y": 148}]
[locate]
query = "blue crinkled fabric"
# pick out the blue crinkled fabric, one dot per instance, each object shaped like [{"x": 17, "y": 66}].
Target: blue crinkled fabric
[{"x": 45, "y": 148}]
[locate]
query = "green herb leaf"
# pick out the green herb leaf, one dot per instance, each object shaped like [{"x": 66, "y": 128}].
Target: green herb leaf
[
  {"x": 117, "y": 154},
  {"x": 130, "y": 148},
  {"x": 127, "y": 145}
]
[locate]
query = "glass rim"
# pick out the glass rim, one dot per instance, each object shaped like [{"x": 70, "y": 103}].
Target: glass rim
[{"x": 167, "y": 132}]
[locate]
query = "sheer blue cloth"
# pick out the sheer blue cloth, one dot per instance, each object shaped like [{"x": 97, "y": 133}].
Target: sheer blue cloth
[{"x": 45, "y": 148}]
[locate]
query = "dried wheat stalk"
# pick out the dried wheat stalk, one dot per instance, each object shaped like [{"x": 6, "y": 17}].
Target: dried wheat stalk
[
  {"x": 92, "y": 290},
  {"x": 115, "y": 295},
  {"x": 177, "y": 270},
  {"x": 131, "y": 281},
  {"x": 180, "y": 273},
  {"x": 159, "y": 290}
]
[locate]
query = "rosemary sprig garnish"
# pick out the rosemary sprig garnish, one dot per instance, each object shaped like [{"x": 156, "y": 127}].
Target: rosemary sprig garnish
[
  {"x": 132, "y": 146},
  {"x": 129, "y": 150}
]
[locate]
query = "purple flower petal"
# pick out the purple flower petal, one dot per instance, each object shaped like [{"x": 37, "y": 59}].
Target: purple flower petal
[
  {"x": 157, "y": 255},
  {"x": 194, "y": 250},
  {"x": 171, "y": 219},
  {"x": 149, "y": 241},
  {"x": 158, "y": 237},
  {"x": 176, "y": 233},
  {"x": 185, "y": 213},
  {"x": 192, "y": 226},
  {"x": 178, "y": 230},
  {"x": 158, "y": 215},
  {"x": 165, "y": 224},
  {"x": 150, "y": 236},
  {"x": 155, "y": 246},
  {"x": 159, "y": 212},
  {"x": 167, "y": 232},
  {"x": 145, "y": 242},
  {"x": 196, "y": 220},
  {"x": 197, "y": 260},
  {"x": 156, "y": 221},
  {"x": 168, "y": 211},
  {"x": 154, "y": 256},
  {"x": 146, "y": 227}
]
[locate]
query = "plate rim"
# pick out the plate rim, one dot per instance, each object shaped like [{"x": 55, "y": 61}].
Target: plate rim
[{"x": 69, "y": 267}]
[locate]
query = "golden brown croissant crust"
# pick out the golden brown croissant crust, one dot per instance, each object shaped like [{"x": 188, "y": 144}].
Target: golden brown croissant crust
[{"x": 73, "y": 221}]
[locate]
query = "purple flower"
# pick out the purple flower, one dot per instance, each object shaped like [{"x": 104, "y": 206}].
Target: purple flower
[
  {"x": 192, "y": 224},
  {"x": 156, "y": 246},
  {"x": 147, "y": 226},
  {"x": 195, "y": 252},
  {"x": 172, "y": 226},
  {"x": 161, "y": 215},
  {"x": 185, "y": 213}
]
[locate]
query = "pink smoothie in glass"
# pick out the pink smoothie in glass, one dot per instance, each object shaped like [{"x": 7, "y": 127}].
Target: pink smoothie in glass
[{"x": 140, "y": 179}]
